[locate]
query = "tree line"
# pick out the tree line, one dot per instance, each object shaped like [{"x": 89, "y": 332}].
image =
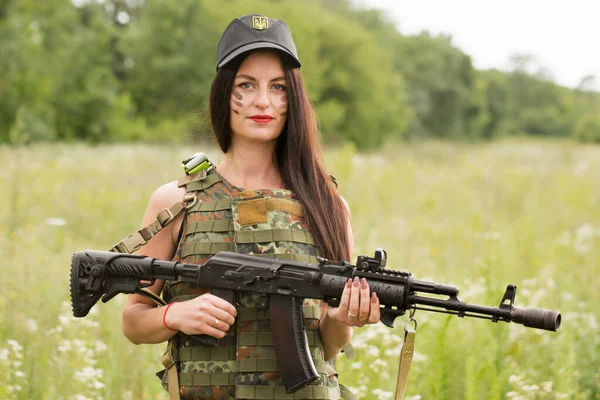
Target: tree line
[{"x": 127, "y": 70}]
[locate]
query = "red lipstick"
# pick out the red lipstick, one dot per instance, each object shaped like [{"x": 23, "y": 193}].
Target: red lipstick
[{"x": 261, "y": 119}]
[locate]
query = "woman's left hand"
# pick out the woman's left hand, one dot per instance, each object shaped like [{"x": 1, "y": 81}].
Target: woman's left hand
[{"x": 357, "y": 307}]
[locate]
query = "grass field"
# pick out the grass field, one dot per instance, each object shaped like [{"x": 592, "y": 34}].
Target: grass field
[{"x": 476, "y": 216}]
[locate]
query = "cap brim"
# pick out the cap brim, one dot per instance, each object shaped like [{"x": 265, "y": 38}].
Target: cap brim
[{"x": 258, "y": 45}]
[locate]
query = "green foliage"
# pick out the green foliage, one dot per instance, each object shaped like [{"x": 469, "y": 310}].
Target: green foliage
[
  {"x": 118, "y": 70},
  {"x": 587, "y": 129}
]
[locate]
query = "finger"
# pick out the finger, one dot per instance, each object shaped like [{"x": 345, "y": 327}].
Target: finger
[
  {"x": 353, "y": 309},
  {"x": 365, "y": 301},
  {"x": 218, "y": 323},
  {"x": 222, "y": 304},
  {"x": 222, "y": 315},
  {"x": 214, "y": 332},
  {"x": 375, "y": 314},
  {"x": 345, "y": 299}
]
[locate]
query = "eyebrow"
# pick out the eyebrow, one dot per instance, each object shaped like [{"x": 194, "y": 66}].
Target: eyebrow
[{"x": 244, "y": 76}]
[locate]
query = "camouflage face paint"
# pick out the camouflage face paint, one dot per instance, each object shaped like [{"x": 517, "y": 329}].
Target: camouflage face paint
[
  {"x": 238, "y": 96},
  {"x": 283, "y": 106}
]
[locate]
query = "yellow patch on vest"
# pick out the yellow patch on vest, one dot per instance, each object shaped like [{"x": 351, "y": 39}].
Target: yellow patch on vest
[
  {"x": 287, "y": 206},
  {"x": 252, "y": 212}
]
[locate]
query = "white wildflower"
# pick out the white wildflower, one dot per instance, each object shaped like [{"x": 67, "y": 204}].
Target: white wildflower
[
  {"x": 16, "y": 347},
  {"x": 64, "y": 319},
  {"x": 490, "y": 235},
  {"x": 87, "y": 374},
  {"x": 100, "y": 346},
  {"x": 356, "y": 365},
  {"x": 382, "y": 394},
  {"x": 530, "y": 282},
  {"x": 373, "y": 351},
  {"x": 515, "y": 379},
  {"x": 568, "y": 296},
  {"x": 415, "y": 397},
  {"x": 4, "y": 354},
  {"x": 583, "y": 236},
  {"x": 379, "y": 363},
  {"x": 531, "y": 388},
  {"x": 32, "y": 325},
  {"x": 546, "y": 386},
  {"x": 14, "y": 388},
  {"x": 81, "y": 397},
  {"x": 65, "y": 345},
  {"x": 19, "y": 374},
  {"x": 564, "y": 239},
  {"x": 56, "y": 221}
]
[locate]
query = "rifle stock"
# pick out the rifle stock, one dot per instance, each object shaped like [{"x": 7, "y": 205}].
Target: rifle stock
[{"x": 282, "y": 285}]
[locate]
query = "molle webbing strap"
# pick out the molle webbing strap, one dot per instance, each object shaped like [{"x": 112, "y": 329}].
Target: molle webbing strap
[
  {"x": 233, "y": 367},
  {"x": 206, "y": 379},
  {"x": 198, "y": 181},
  {"x": 290, "y": 257},
  {"x": 279, "y": 393},
  {"x": 206, "y": 353},
  {"x": 266, "y": 339},
  {"x": 219, "y": 225},
  {"x": 136, "y": 240},
  {"x": 207, "y": 248},
  {"x": 274, "y": 235},
  {"x": 252, "y": 314},
  {"x": 243, "y": 365},
  {"x": 209, "y": 206},
  {"x": 205, "y": 183}
]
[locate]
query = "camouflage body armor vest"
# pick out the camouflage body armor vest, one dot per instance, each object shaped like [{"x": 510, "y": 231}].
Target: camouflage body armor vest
[{"x": 266, "y": 223}]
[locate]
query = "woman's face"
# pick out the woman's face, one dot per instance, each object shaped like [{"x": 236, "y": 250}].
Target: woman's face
[{"x": 258, "y": 99}]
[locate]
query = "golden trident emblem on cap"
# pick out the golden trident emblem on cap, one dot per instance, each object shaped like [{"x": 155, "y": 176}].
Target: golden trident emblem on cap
[{"x": 260, "y": 23}]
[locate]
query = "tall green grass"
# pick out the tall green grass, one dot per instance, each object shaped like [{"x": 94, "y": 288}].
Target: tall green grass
[{"x": 476, "y": 216}]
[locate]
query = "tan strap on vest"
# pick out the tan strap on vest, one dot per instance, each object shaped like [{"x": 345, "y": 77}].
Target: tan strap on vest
[
  {"x": 168, "y": 361},
  {"x": 136, "y": 240}
]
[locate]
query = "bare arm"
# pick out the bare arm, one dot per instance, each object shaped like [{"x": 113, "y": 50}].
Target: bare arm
[{"x": 142, "y": 319}]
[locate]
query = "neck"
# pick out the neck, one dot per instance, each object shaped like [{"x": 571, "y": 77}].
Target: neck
[{"x": 250, "y": 167}]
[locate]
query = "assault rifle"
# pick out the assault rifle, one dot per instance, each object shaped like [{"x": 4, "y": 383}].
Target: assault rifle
[{"x": 282, "y": 286}]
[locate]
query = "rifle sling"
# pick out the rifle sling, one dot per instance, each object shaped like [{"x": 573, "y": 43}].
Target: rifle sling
[
  {"x": 406, "y": 355},
  {"x": 136, "y": 240}
]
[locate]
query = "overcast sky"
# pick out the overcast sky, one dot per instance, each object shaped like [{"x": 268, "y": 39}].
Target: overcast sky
[{"x": 564, "y": 36}]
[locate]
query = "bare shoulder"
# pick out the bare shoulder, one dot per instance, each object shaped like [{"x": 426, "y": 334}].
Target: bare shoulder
[
  {"x": 163, "y": 244},
  {"x": 167, "y": 195}
]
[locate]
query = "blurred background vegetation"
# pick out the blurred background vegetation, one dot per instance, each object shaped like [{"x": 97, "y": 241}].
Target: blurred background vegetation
[
  {"x": 468, "y": 177},
  {"x": 130, "y": 70}
]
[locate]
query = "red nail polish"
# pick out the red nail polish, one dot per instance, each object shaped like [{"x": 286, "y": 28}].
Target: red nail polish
[
  {"x": 363, "y": 283},
  {"x": 349, "y": 283},
  {"x": 356, "y": 281}
]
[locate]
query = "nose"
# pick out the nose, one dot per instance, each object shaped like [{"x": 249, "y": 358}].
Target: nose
[{"x": 262, "y": 99}]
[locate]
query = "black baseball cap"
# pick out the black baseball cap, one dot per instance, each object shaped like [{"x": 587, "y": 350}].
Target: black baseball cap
[{"x": 255, "y": 31}]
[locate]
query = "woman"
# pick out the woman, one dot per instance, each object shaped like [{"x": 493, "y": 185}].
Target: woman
[{"x": 270, "y": 183}]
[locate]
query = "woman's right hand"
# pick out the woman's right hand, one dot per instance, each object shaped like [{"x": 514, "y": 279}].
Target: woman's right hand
[{"x": 206, "y": 314}]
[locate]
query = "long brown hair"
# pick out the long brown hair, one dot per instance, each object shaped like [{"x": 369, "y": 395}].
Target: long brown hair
[{"x": 298, "y": 157}]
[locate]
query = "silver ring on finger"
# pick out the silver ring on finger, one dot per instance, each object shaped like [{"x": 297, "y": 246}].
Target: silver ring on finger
[{"x": 352, "y": 315}]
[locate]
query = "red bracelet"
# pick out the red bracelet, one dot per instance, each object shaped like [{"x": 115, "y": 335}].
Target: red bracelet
[{"x": 165, "y": 315}]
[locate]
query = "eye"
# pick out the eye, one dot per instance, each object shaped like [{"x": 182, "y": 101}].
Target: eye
[
  {"x": 245, "y": 85},
  {"x": 278, "y": 87}
]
